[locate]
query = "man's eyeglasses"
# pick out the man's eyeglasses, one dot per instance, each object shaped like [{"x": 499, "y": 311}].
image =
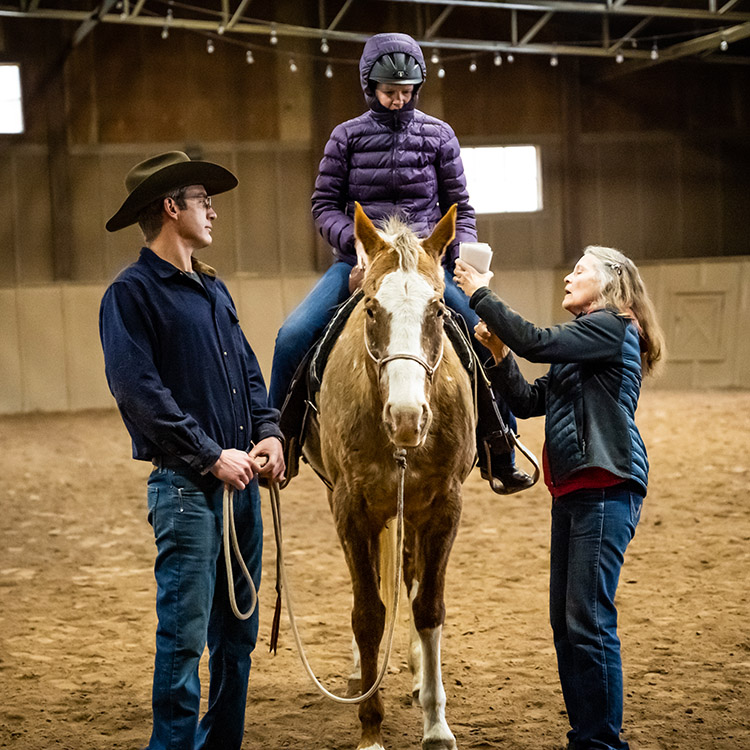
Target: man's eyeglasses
[{"x": 204, "y": 199}]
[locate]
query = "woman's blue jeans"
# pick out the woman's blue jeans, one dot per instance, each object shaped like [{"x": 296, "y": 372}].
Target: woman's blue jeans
[
  {"x": 193, "y": 610},
  {"x": 308, "y": 320},
  {"x": 591, "y": 530}
]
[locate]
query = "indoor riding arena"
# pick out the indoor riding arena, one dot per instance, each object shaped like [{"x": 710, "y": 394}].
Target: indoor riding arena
[{"x": 610, "y": 123}]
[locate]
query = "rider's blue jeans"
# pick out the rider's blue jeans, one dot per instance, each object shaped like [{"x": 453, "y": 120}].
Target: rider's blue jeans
[
  {"x": 591, "y": 530},
  {"x": 308, "y": 320},
  {"x": 193, "y": 609}
]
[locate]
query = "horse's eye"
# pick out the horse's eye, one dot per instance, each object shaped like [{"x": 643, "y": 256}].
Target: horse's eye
[
  {"x": 440, "y": 312},
  {"x": 370, "y": 313}
]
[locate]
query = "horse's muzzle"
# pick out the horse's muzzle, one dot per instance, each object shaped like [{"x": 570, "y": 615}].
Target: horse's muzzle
[{"x": 407, "y": 425}]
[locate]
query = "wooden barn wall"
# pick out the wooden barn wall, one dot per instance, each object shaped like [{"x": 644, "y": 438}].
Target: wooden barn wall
[{"x": 656, "y": 162}]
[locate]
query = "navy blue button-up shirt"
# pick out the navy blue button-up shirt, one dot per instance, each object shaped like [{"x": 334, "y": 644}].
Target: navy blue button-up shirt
[{"x": 185, "y": 379}]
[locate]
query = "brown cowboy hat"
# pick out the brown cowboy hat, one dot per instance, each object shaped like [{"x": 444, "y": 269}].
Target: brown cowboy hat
[{"x": 154, "y": 178}]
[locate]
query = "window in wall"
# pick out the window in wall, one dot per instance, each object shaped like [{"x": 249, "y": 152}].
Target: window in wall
[
  {"x": 11, "y": 114},
  {"x": 502, "y": 179}
]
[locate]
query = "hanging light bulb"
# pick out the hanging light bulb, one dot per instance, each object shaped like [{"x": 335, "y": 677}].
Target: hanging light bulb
[
  {"x": 329, "y": 71},
  {"x": 473, "y": 66},
  {"x": 292, "y": 65},
  {"x": 498, "y": 60},
  {"x": 509, "y": 57},
  {"x": 324, "y": 46},
  {"x": 167, "y": 24},
  {"x": 249, "y": 59},
  {"x": 619, "y": 57},
  {"x": 210, "y": 46},
  {"x": 723, "y": 44},
  {"x": 441, "y": 72},
  {"x": 654, "y": 52},
  {"x": 434, "y": 57},
  {"x": 274, "y": 39},
  {"x": 553, "y": 61}
]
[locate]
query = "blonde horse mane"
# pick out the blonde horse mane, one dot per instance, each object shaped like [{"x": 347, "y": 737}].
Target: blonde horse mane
[{"x": 402, "y": 240}]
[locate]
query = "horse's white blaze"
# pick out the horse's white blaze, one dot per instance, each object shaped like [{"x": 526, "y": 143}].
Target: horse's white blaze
[
  {"x": 405, "y": 295},
  {"x": 432, "y": 695}
]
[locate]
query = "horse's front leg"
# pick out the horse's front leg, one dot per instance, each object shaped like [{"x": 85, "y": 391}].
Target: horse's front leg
[
  {"x": 368, "y": 613},
  {"x": 435, "y": 542}
]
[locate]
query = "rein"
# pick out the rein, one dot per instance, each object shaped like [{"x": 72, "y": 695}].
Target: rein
[
  {"x": 381, "y": 362},
  {"x": 230, "y": 532},
  {"x": 400, "y": 457}
]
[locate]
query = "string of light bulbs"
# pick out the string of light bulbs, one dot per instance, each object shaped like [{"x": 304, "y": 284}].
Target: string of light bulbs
[{"x": 435, "y": 59}]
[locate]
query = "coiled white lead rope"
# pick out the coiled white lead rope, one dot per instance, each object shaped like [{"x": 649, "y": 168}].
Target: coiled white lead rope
[
  {"x": 230, "y": 534},
  {"x": 400, "y": 456}
]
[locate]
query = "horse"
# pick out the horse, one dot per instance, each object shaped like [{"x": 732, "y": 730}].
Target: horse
[{"x": 393, "y": 381}]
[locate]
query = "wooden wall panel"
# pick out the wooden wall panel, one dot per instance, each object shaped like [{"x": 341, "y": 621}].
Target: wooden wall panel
[
  {"x": 8, "y": 228},
  {"x": 34, "y": 240},
  {"x": 587, "y": 195},
  {"x": 88, "y": 218},
  {"x": 42, "y": 342},
  {"x": 511, "y": 99},
  {"x": 84, "y": 361},
  {"x": 621, "y": 218},
  {"x": 11, "y": 374},
  {"x": 659, "y": 200},
  {"x": 296, "y": 230},
  {"x": 51, "y": 357},
  {"x": 701, "y": 192},
  {"x": 260, "y": 307},
  {"x": 735, "y": 196},
  {"x": 258, "y": 217}
]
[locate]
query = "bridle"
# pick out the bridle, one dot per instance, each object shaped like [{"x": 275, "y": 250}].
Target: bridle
[{"x": 381, "y": 362}]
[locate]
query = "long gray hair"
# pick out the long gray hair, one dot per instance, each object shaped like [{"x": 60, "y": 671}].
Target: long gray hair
[{"x": 622, "y": 287}]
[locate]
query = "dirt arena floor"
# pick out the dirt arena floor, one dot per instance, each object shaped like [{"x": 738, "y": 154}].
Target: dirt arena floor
[{"x": 77, "y": 618}]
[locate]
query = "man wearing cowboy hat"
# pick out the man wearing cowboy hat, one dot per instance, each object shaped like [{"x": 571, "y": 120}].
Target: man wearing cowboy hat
[{"x": 193, "y": 399}]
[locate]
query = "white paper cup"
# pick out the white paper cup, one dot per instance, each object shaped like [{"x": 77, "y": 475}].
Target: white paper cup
[{"x": 476, "y": 254}]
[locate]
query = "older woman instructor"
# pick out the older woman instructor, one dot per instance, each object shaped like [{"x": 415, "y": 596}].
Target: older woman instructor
[{"x": 595, "y": 462}]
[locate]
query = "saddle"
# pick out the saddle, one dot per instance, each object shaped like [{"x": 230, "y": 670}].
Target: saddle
[{"x": 299, "y": 413}]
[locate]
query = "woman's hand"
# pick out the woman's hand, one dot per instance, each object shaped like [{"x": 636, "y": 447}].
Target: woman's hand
[
  {"x": 469, "y": 279},
  {"x": 488, "y": 339}
]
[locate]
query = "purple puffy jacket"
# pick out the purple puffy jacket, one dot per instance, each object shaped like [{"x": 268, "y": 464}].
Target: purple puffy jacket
[{"x": 392, "y": 162}]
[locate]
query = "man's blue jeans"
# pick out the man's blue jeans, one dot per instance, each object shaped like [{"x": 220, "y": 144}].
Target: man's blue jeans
[
  {"x": 308, "y": 320},
  {"x": 193, "y": 609},
  {"x": 591, "y": 530}
]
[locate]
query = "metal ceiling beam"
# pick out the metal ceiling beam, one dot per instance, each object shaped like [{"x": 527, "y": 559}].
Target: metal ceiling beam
[
  {"x": 534, "y": 30},
  {"x": 438, "y": 22},
  {"x": 709, "y": 41},
  {"x": 93, "y": 20},
  {"x": 137, "y": 9},
  {"x": 339, "y": 15},
  {"x": 630, "y": 35},
  {"x": 579, "y": 6},
  {"x": 238, "y": 14},
  {"x": 735, "y": 33},
  {"x": 728, "y": 6}
]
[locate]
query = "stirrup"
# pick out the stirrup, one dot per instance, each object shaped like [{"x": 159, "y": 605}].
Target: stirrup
[{"x": 515, "y": 480}]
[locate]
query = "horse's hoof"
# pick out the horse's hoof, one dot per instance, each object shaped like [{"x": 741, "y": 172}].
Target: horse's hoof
[{"x": 439, "y": 743}]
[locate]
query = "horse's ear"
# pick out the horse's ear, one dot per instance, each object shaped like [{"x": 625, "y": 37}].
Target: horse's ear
[
  {"x": 365, "y": 232},
  {"x": 442, "y": 235}
]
